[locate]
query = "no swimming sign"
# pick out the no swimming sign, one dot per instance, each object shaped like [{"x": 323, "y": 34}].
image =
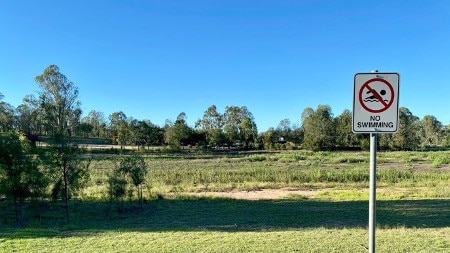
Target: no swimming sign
[{"x": 375, "y": 103}]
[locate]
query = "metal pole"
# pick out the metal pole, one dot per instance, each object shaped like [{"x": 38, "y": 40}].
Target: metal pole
[
  {"x": 372, "y": 188},
  {"x": 372, "y": 191}
]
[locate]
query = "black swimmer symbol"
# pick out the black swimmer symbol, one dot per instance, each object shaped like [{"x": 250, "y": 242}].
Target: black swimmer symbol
[{"x": 374, "y": 98}]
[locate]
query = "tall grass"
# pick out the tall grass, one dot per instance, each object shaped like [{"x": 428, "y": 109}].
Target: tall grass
[{"x": 178, "y": 172}]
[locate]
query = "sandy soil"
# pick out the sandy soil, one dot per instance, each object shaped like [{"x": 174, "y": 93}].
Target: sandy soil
[{"x": 259, "y": 194}]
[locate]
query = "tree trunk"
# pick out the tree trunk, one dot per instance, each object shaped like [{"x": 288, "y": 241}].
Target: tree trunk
[
  {"x": 139, "y": 188},
  {"x": 16, "y": 210},
  {"x": 66, "y": 191}
]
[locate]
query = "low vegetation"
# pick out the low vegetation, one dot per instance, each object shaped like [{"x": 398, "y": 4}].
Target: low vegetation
[
  {"x": 172, "y": 174},
  {"x": 176, "y": 213}
]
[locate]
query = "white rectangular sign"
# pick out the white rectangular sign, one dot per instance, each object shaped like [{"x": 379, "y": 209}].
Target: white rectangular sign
[{"x": 375, "y": 103}]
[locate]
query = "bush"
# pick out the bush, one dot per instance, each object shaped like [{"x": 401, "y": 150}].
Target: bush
[
  {"x": 440, "y": 160},
  {"x": 257, "y": 158}
]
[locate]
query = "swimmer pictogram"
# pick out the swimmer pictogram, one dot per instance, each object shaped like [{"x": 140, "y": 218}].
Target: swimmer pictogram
[
  {"x": 374, "y": 98},
  {"x": 376, "y": 95}
]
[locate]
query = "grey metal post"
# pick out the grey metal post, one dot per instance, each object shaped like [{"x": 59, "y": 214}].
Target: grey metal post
[
  {"x": 372, "y": 191},
  {"x": 372, "y": 188}
]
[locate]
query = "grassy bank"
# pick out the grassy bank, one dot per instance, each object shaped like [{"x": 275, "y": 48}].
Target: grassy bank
[
  {"x": 412, "y": 207},
  {"x": 227, "y": 225}
]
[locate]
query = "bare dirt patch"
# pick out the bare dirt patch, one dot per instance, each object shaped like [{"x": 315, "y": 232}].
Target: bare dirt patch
[
  {"x": 416, "y": 166},
  {"x": 287, "y": 193},
  {"x": 259, "y": 194}
]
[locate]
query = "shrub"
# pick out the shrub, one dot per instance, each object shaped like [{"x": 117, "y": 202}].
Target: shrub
[{"x": 440, "y": 160}]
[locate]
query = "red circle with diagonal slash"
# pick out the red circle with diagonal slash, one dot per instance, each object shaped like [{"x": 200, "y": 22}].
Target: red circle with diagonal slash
[{"x": 377, "y": 96}]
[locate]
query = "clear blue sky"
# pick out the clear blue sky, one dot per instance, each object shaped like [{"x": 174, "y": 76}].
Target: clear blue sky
[{"x": 155, "y": 59}]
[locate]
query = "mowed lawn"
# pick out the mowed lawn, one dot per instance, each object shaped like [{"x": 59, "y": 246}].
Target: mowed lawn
[
  {"x": 228, "y": 225},
  {"x": 413, "y": 208}
]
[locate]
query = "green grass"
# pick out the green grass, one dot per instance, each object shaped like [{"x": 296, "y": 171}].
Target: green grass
[
  {"x": 187, "y": 172},
  {"x": 413, "y": 206},
  {"x": 227, "y": 225},
  {"x": 307, "y": 240}
]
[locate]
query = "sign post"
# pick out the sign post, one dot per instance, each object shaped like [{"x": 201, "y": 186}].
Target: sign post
[
  {"x": 372, "y": 191},
  {"x": 375, "y": 110}
]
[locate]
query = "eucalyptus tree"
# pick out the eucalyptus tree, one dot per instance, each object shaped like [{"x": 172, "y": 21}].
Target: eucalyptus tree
[
  {"x": 239, "y": 126},
  {"x": 178, "y": 133},
  {"x": 153, "y": 134},
  {"x": 269, "y": 138},
  {"x": 288, "y": 132},
  {"x": 97, "y": 120},
  {"x": 408, "y": 135},
  {"x": 431, "y": 130},
  {"x": 212, "y": 125},
  {"x": 446, "y": 135},
  {"x": 31, "y": 117},
  {"x": 248, "y": 132},
  {"x": 344, "y": 135},
  {"x": 118, "y": 127},
  {"x": 135, "y": 136},
  {"x": 58, "y": 100},
  {"x": 144, "y": 132},
  {"x": 284, "y": 127},
  {"x": 319, "y": 128},
  {"x": 85, "y": 129},
  {"x": 232, "y": 119},
  {"x": 296, "y": 134},
  {"x": 24, "y": 119}
]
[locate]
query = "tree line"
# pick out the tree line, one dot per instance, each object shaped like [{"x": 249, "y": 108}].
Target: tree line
[
  {"x": 234, "y": 128},
  {"x": 59, "y": 169}
]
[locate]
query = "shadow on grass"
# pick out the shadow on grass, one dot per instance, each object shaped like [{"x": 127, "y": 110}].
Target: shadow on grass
[{"x": 200, "y": 214}]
